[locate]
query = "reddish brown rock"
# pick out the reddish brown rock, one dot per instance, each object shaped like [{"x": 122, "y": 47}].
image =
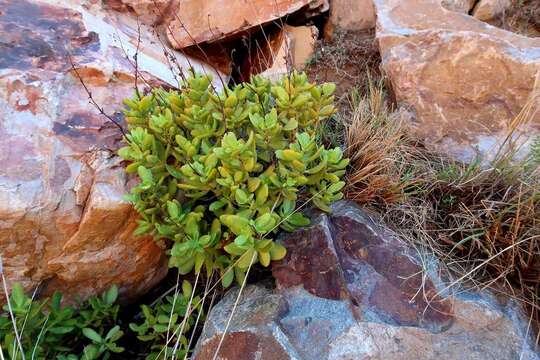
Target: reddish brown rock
[
  {"x": 244, "y": 345},
  {"x": 63, "y": 221},
  {"x": 348, "y": 256},
  {"x": 465, "y": 80},
  {"x": 348, "y": 289},
  {"x": 288, "y": 50},
  {"x": 200, "y": 21}
]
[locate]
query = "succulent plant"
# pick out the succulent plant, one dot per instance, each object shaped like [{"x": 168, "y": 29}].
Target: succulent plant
[
  {"x": 166, "y": 324},
  {"x": 220, "y": 173}
]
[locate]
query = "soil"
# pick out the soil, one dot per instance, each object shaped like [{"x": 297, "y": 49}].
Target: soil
[{"x": 349, "y": 59}]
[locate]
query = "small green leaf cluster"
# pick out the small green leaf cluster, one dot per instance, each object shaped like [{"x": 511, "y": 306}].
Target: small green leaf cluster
[
  {"x": 166, "y": 324},
  {"x": 535, "y": 152},
  {"x": 102, "y": 346},
  {"x": 221, "y": 173},
  {"x": 48, "y": 330}
]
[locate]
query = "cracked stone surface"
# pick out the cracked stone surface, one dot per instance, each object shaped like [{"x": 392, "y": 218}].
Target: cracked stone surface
[
  {"x": 465, "y": 80},
  {"x": 200, "y": 21},
  {"x": 348, "y": 289},
  {"x": 63, "y": 222}
]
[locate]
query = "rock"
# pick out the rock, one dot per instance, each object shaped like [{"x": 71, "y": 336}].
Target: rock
[
  {"x": 351, "y": 15},
  {"x": 465, "y": 80},
  {"x": 200, "y": 21},
  {"x": 349, "y": 289},
  {"x": 304, "y": 40},
  {"x": 486, "y": 10},
  {"x": 240, "y": 342},
  {"x": 462, "y": 6},
  {"x": 150, "y": 12},
  {"x": 290, "y": 49},
  {"x": 63, "y": 221}
]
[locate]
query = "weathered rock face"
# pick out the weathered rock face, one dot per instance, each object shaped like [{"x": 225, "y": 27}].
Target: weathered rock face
[
  {"x": 351, "y": 15},
  {"x": 201, "y": 21},
  {"x": 349, "y": 290},
  {"x": 490, "y": 9},
  {"x": 63, "y": 222},
  {"x": 465, "y": 79},
  {"x": 463, "y": 6},
  {"x": 363, "y": 265}
]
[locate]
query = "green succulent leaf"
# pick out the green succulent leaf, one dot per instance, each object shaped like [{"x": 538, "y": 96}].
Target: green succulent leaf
[
  {"x": 228, "y": 277},
  {"x": 221, "y": 172},
  {"x": 265, "y": 223},
  {"x": 92, "y": 335},
  {"x": 278, "y": 252},
  {"x": 111, "y": 295},
  {"x": 236, "y": 224}
]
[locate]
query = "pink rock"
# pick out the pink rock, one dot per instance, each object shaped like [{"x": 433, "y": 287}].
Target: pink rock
[
  {"x": 462, "y": 6},
  {"x": 63, "y": 221},
  {"x": 151, "y": 12}
]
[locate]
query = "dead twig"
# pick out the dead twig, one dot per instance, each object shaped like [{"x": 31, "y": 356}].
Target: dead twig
[{"x": 91, "y": 98}]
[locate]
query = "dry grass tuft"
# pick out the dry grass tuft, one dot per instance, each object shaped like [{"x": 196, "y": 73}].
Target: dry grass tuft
[
  {"x": 482, "y": 220},
  {"x": 483, "y": 223},
  {"x": 522, "y": 17},
  {"x": 374, "y": 141}
]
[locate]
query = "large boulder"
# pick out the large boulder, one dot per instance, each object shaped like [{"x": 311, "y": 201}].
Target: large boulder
[
  {"x": 150, "y": 12},
  {"x": 200, "y": 21},
  {"x": 465, "y": 80},
  {"x": 63, "y": 221},
  {"x": 349, "y": 289}
]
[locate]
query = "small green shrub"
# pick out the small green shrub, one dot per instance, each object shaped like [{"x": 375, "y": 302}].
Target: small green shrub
[
  {"x": 99, "y": 313},
  {"x": 48, "y": 330},
  {"x": 102, "y": 346},
  {"x": 166, "y": 324},
  {"x": 221, "y": 173}
]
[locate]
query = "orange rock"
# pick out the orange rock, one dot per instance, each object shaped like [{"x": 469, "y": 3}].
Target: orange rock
[
  {"x": 304, "y": 39},
  {"x": 151, "y": 12},
  {"x": 490, "y": 9},
  {"x": 462, "y": 6},
  {"x": 63, "y": 221},
  {"x": 465, "y": 80},
  {"x": 201, "y": 21},
  {"x": 351, "y": 15}
]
